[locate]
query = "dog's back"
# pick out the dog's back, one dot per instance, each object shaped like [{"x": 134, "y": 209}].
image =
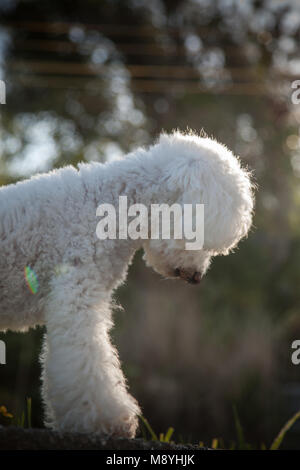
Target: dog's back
[{"x": 29, "y": 215}]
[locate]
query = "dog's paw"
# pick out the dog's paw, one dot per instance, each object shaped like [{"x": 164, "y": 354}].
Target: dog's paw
[{"x": 126, "y": 427}]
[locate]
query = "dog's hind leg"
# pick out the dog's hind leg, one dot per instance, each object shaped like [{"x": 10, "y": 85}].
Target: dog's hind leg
[{"x": 83, "y": 386}]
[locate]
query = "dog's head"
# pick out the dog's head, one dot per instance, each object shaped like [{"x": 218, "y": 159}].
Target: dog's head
[{"x": 196, "y": 170}]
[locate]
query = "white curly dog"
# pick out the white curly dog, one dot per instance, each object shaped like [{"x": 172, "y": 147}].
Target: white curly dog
[{"x": 48, "y": 226}]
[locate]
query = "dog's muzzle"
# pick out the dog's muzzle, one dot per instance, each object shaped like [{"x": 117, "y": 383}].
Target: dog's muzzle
[{"x": 195, "y": 278}]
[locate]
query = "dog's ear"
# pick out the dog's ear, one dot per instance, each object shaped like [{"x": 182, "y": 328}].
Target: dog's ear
[{"x": 227, "y": 199}]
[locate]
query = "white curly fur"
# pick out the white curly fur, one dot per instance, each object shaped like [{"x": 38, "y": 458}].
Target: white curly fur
[{"x": 49, "y": 223}]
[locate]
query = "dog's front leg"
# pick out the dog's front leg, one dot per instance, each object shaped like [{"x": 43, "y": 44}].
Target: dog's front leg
[{"x": 83, "y": 385}]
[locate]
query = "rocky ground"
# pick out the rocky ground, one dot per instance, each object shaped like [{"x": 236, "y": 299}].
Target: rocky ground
[{"x": 12, "y": 438}]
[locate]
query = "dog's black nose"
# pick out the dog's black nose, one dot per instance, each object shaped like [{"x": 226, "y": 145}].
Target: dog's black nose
[
  {"x": 191, "y": 279},
  {"x": 195, "y": 279},
  {"x": 177, "y": 272}
]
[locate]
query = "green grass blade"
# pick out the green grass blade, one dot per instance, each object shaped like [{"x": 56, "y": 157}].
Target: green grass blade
[
  {"x": 21, "y": 420},
  {"x": 280, "y": 436},
  {"x": 239, "y": 429},
  {"x": 152, "y": 433},
  {"x": 214, "y": 443},
  {"x": 29, "y": 412},
  {"x": 169, "y": 434}
]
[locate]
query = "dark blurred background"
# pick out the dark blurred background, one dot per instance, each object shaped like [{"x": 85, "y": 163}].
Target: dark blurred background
[{"x": 91, "y": 80}]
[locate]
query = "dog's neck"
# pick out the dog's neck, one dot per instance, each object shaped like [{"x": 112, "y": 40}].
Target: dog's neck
[
  {"x": 139, "y": 179},
  {"x": 106, "y": 183}
]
